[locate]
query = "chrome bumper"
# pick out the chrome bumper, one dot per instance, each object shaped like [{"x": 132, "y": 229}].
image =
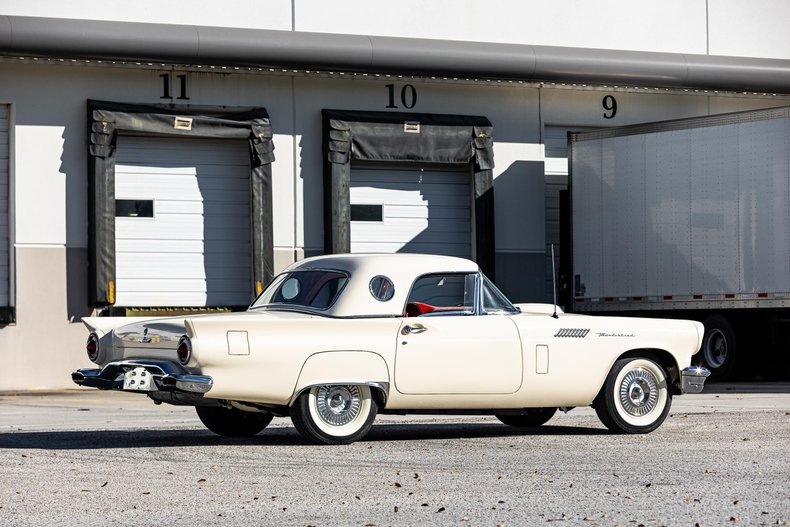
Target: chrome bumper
[
  {"x": 166, "y": 376},
  {"x": 692, "y": 379}
]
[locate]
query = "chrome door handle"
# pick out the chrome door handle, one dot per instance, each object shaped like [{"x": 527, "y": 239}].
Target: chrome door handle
[{"x": 416, "y": 328}]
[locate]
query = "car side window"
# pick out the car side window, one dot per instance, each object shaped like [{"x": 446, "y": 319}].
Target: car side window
[
  {"x": 494, "y": 302},
  {"x": 442, "y": 294}
]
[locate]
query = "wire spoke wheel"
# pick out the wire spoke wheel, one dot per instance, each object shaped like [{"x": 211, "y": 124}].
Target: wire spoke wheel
[
  {"x": 334, "y": 413},
  {"x": 635, "y": 397},
  {"x": 639, "y": 392},
  {"x": 338, "y": 405}
]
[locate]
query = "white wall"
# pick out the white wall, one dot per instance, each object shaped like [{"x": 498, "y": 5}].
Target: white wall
[
  {"x": 50, "y": 163},
  {"x": 50, "y": 160},
  {"x": 613, "y": 24},
  {"x": 750, "y": 29},
  {"x": 719, "y": 27},
  {"x": 256, "y": 14},
  {"x": 513, "y": 113}
]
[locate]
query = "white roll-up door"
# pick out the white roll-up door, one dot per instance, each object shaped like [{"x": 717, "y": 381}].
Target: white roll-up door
[
  {"x": 5, "y": 220},
  {"x": 415, "y": 210},
  {"x": 182, "y": 229}
]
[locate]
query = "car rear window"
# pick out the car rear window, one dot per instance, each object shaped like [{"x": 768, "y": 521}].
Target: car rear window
[{"x": 314, "y": 289}]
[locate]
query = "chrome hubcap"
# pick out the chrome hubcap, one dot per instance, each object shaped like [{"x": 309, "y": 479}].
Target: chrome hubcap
[
  {"x": 716, "y": 349},
  {"x": 338, "y": 405},
  {"x": 639, "y": 392}
]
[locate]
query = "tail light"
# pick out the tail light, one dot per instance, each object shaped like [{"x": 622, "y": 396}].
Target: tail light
[
  {"x": 92, "y": 347},
  {"x": 184, "y": 350}
]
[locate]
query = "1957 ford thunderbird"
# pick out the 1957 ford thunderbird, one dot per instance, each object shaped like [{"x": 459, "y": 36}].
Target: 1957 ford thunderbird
[{"x": 334, "y": 340}]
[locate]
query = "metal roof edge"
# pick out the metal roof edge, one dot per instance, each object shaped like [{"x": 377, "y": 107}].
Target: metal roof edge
[{"x": 182, "y": 44}]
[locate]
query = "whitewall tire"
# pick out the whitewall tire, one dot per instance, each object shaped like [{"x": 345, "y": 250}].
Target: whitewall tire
[
  {"x": 636, "y": 398},
  {"x": 334, "y": 414}
]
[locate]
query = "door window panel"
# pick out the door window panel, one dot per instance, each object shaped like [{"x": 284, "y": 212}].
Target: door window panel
[{"x": 442, "y": 294}]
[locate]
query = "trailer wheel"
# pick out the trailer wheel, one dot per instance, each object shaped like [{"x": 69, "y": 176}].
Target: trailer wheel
[{"x": 718, "y": 347}]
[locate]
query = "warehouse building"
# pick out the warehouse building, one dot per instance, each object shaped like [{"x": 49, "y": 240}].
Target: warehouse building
[{"x": 161, "y": 161}]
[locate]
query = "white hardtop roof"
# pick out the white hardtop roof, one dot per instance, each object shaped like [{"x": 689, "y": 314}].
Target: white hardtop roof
[
  {"x": 419, "y": 263},
  {"x": 401, "y": 268}
]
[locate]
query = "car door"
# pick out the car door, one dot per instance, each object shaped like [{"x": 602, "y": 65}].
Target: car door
[{"x": 447, "y": 346}]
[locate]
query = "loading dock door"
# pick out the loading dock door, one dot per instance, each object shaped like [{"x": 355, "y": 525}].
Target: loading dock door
[
  {"x": 182, "y": 222},
  {"x": 413, "y": 209},
  {"x": 5, "y": 262}
]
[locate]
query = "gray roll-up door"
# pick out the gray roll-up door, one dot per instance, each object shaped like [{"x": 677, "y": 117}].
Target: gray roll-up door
[
  {"x": 412, "y": 209},
  {"x": 5, "y": 219},
  {"x": 182, "y": 235}
]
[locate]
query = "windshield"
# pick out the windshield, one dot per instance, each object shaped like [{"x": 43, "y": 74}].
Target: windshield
[{"x": 314, "y": 289}]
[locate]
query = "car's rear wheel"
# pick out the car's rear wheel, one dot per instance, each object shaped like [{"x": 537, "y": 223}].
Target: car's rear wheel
[
  {"x": 532, "y": 417},
  {"x": 334, "y": 414},
  {"x": 232, "y": 422},
  {"x": 635, "y": 399}
]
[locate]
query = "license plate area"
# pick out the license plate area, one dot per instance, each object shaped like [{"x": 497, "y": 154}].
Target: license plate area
[{"x": 139, "y": 379}]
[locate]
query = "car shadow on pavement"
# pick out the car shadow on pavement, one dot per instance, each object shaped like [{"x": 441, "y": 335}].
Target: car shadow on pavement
[
  {"x": 398, "y": 432},
  {"x": 276, "y": 436}
]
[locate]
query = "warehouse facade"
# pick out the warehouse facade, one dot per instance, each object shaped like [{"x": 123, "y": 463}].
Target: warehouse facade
[{"x": 149, "y": 168}]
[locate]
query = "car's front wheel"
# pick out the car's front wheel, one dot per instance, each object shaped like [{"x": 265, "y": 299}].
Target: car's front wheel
[
  {"x": 635, "y": 399},
  {"x": 232, "y": 422},
  {"x": 532, "y": 417},
  {"x": 334, "y": 414}
]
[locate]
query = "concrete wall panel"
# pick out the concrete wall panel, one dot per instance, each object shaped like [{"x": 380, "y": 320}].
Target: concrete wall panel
[{"x": 42, "y": 349}]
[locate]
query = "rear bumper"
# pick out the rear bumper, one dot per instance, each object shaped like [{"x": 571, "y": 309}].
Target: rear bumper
[
  {"x": 165, "y": 377},
  {"x": 692, "y": 379}
]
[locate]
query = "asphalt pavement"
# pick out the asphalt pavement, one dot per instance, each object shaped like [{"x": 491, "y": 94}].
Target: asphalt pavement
[{"x": 86, "y": 457}]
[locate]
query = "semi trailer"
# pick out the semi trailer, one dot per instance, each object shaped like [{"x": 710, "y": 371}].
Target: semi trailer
[{"x": 689, "y": 218}]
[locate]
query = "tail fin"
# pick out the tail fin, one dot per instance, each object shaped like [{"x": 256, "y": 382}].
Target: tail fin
[{"x": 103, "y": 325}]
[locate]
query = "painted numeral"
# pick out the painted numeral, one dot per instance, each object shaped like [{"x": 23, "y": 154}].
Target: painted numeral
[
  {"x": 609, "y": 104},
  {"x": 181, "y": 84},
  {"x": 408, "y": 96}
]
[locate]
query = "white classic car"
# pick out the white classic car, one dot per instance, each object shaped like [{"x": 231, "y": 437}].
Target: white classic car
[{"x": 334, "y": 340}]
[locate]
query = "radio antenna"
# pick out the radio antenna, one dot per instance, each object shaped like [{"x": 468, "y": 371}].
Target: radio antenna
[{"x": 554, "y": 282}]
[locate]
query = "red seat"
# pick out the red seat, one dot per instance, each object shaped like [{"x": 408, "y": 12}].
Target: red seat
[{"x": 415, "y": 309}]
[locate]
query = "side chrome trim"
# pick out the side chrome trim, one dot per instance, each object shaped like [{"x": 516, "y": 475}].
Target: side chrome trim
[
  {"x": 692, "y": 379},
  {"x": 167, "y": 376}
]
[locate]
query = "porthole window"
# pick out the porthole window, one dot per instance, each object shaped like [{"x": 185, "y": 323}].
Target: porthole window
[
  {"x": 290, "y": 289},
  {"x": 382, "y": 288}
]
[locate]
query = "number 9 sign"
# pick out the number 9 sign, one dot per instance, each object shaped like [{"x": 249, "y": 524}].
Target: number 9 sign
[{"x": 609, "y": 104}]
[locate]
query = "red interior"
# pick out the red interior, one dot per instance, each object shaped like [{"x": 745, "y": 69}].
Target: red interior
[{"x": 415, "y": 309}]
